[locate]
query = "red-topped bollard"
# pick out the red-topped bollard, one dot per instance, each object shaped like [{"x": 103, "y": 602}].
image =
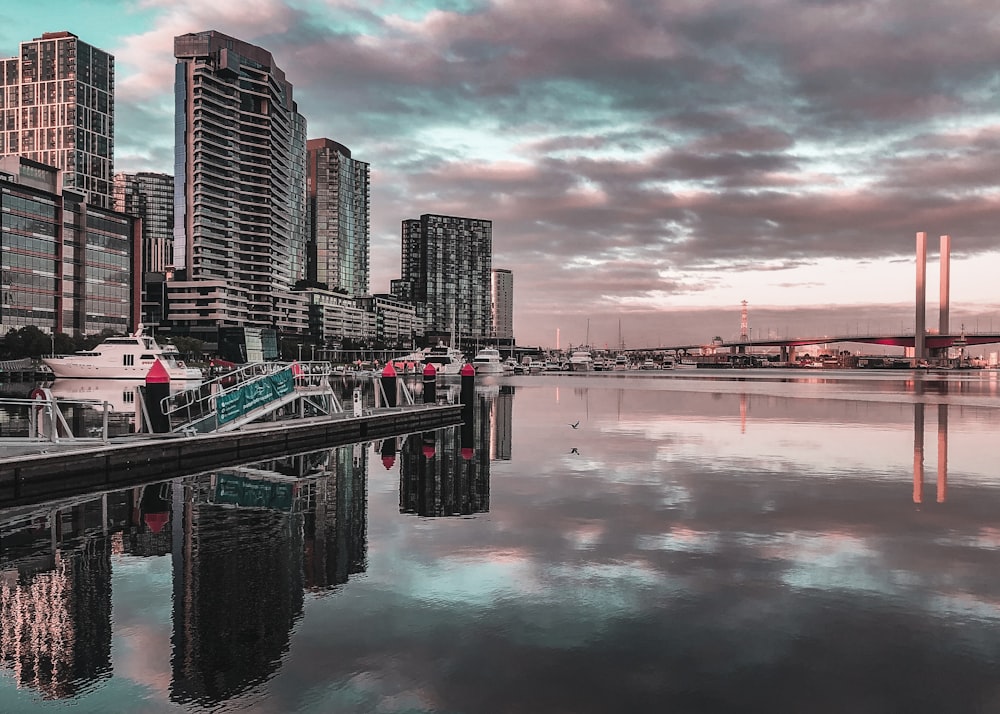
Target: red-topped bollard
[
  {"x": 430, "y": 384},
  {"x": 468, "y": 374},
  {"x": 389, "y": 384},
  {"x": 157, "y": 389}
]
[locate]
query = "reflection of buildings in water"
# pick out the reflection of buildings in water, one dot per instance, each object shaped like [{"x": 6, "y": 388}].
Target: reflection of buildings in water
[
  {"x": 301, "y": 522},
  {"x": 237, "y": 570},
  {"x": 148, "y": 531},
  {"x": 447, "y": 472},
  {"x": 335, "y": 511},
  {"x": 235, "y": 598},
  {"x": 501, "y": 424},
  {"x": 918, "y": 453},
  {"x": 55, "y": 583},
  {"x": 55, "y": 599}
]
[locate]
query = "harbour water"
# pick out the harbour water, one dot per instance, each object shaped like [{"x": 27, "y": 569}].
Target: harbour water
[{"x": 780, "y": 541}]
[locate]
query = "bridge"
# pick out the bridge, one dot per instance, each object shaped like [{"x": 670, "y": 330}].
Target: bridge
[{"x": 933, "y": 341}]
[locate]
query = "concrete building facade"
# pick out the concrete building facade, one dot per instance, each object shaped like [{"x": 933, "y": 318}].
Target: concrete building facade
[{"x": 239, "y": 185}]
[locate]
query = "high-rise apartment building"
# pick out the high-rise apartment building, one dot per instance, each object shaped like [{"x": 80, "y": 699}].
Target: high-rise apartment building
[
  {"x": 339, "y": 217},
  {"x": 149, "y": 197},
  {"x": 57, "y": 107},
  {"x": 239, "y": 186},
  {"x": 502, "y": 297},
  {"x": 446, "y": 274}
]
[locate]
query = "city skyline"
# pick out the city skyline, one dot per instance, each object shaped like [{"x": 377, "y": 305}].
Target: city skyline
[{"x": 643, "y": 166}]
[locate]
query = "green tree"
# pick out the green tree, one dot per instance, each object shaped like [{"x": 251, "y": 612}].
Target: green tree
[{"x": 190, "y": 348}]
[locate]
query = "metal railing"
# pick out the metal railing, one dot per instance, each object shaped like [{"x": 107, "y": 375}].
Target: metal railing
[{"x": 196, "y": 409}]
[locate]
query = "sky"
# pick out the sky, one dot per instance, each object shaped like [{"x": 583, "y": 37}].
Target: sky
[{"x": 647, "y": 164}]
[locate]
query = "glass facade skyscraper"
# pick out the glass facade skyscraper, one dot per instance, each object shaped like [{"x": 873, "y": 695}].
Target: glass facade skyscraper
[
  {"x": 67, "y": 266},
  {"x": 57, "y": 107},
  {"x": 446, "y": 271},
  {"x": 150, "y": 197},
  {"x": 339, "y": 218},
  {"x": 239, "y": 180}
]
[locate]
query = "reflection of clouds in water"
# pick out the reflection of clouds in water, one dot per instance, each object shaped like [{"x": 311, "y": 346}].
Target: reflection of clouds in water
[
  {"x": 142, "y": 590},
  {"x": 683, "y": 540},
  {"x": 833, "y": 561},
  {"x": 584, "y": 536},
  {"x": 470, "y": 580}
]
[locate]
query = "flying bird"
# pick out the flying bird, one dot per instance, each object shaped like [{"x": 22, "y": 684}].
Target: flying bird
[
  {"x": 575, "y": 425},
  {"x": 574, "y": 450}
]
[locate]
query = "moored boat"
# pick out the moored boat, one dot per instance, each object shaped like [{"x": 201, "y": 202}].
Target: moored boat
[
  {"x": 487, "y": 361},
  {"x": 581, "y": 361},
  {"x": 128, "y": 357},
  {"x": 446, "y": 360}
]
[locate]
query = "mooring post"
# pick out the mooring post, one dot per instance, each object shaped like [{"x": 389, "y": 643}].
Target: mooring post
[
  {"x": 157, "y": 389},
  {"x": 430, "y": 384},
  {"x": 389, "y": 387}
]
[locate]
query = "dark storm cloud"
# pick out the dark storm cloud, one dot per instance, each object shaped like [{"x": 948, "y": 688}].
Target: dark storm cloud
[{"x": 687, "y": 136}]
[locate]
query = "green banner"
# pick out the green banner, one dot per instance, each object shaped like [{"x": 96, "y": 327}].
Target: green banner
[
  {"x": 250, "y": 396},
  {"x": 237, "y": 490}
]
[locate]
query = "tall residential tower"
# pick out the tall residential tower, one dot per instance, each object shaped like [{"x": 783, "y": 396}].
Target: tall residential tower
[
  {"x": 239, "y": 188},
  {"x": 502, "y": 296},
  {"x": 57, "y": 107},
  {"x": 339, "y": 217},
  {"x": 446, "y": 274}
]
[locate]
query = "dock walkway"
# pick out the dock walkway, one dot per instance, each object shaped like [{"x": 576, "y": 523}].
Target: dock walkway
[{"x": 84, "y": 465}]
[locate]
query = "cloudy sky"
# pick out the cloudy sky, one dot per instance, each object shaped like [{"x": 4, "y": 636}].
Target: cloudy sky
[{"x": 647, "y": 164}]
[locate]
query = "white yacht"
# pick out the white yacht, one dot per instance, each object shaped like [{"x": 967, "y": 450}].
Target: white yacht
[
  {"x": 621, "y": 362},
  {"x": 129, "y": 357},
  {"x": 487, "y": 361},
  {"x": 446, "y": 360},
  {"x": 581, "y": 361}
]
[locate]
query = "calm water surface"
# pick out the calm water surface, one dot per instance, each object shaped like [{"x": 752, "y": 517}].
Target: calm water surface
[{"x": 761, "y": 541}]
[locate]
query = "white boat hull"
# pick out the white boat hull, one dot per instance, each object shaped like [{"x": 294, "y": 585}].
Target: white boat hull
[
  {"x": 68, "y": 368},
  {"x": 485, "y": 368},
  {"x": 129, "y": 357}
]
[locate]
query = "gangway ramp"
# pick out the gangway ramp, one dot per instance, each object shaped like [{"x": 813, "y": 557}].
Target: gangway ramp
[{"x": 259, "y": 391}]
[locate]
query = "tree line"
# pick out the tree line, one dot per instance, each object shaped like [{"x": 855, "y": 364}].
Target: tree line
[{"x": 32, "y": 342}]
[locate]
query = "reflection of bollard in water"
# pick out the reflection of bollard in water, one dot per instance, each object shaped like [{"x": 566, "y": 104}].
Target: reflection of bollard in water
[
  {"x": 430, "y": 384},
  {"x": 388, "y": 452},
  {"x": 357, "y": 401}
]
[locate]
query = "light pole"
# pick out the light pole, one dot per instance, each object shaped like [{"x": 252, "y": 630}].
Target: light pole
[{"x": 52, "y": 338}]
